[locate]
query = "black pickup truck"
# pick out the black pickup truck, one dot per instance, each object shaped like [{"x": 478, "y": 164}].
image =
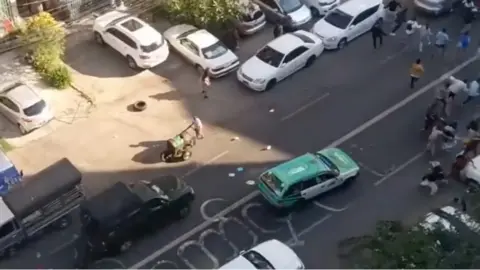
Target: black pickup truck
[
  {"x": 43, "y": 201},
  {"x": 116, "y": 217}
]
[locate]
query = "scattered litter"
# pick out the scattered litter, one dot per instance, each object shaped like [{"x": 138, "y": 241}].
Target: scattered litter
[
  {"x": 268, "y": 147},
  {"x": 235, "y": 139},
  {"x": 239, "y": 169},
  {"x": 271, "y": 110},
  {"x": 231, "y": 175},
  {"x": 250, "y": 182}
]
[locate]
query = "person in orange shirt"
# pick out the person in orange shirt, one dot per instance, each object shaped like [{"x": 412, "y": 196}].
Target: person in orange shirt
[{"x": 416, "y": 71}]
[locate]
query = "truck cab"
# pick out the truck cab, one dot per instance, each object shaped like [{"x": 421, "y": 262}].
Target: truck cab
[
  {"x": 45, "y": 201},
  {"x": 9, "y": 174},
  {"x": 116, "y": 217}
]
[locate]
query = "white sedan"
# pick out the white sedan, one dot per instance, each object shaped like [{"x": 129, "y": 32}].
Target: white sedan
[
  {"x": 271, "y": 254},
  {"x": 202, "y": 49},
  {"x": 279, "y": 59}
]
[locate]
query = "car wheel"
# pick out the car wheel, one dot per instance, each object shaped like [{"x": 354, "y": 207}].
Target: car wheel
[
  {"x": 99, "y": 38},
  {"x": 315, "y": 12},
  {"x": 125, "y": 246},
  {"x": 187, "y": 155},
  {"x": 473, "y": 185},
  {"x": 183, "y": 213},
  {"x": 22, "y": 129},
  {"x": 342, "y": 43},
  {"x": 270, "y": 85},
  {"x": 310, "y": 61},
  {"x": 131, "y": 62}
]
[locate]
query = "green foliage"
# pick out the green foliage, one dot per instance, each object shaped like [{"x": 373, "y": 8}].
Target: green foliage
[
  {"x": 58, "y": 77},
  {"x": 397, "y": 247},
  {"x": 205, "y": 14},
  {"x": 45, "y": 39}
]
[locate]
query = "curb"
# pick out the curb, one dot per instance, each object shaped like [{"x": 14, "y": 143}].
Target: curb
[{"x": 84, "y": 95}]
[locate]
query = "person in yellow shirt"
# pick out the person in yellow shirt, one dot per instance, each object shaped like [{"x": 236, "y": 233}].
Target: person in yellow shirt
[{"x": 416, "y": 72}]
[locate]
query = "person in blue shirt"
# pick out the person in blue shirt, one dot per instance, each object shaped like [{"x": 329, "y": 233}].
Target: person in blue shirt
[{"x": 464, "y": 41}]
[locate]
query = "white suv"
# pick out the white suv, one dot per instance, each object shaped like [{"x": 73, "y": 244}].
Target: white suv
[
  {"x": 348, "y": 21},
  {"x": 141, "y": 44}
]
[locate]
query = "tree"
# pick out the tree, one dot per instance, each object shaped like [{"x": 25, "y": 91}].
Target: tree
[
  {"x": 395, "y": 246},
  {"x": 206, "y": 13},
  {"x": 45, "y": 39}
]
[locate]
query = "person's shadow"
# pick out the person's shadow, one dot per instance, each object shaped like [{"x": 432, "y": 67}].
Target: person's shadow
[{"x": 150, "y": 153}]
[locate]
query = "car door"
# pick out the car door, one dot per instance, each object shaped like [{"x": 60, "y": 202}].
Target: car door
[
  {"x": 10, "y": 234},
  {"x": 308, "y": 188},
  {"x": 126, "y": 45},
  {"x": 290, "y": 63},
  {"x": 370, "y": 18},
  {"x": 292, "y": 194},
  {"x": 112, "y": 38},
  {"x": 356, "y": 27},
  {"x": 10, "y": 109},
  {"x": 190, "y": 51},
  {"x": 325, "y": 182}
]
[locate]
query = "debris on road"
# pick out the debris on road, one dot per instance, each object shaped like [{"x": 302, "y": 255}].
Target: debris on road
[
  {"x": 235, "y": 139},
  {"x": 271, "y": 110},
  {"x": 250, "y": 182},
  {"x": 231, "y": 175},
  {"x": 239, "y": 169},
  {"x": 268, "y": 147}
]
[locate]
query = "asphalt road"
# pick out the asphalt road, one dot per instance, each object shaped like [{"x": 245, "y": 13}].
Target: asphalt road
[{"x": 313, "y": 108}]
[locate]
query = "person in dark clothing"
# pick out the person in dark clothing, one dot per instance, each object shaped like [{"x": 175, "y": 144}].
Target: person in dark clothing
[
  {"x": 205, "y": 82},
  {"x": 393, "y": 5},
  {"x": 434, "y": 114},
  {"x": 231, "y": 39},
  {"x": 277, "y": 30},
  {"x": 431, "y": 178},
  {"x": 377, "y": 34},
  {"x": 468, "y": 19},
  {"x": 462, "y": 202},
  {"x": 288, "y": 26},
  {"x": 400, "y": 19}
]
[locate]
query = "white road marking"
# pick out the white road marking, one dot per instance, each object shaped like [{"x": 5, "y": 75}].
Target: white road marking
[
  {"x": 370, "y": 170},
  {"x": 400, "y": 104},
  {"x": 390, "y": 57},
  {"x": 203, "y": 210},
  {"x": 304, "y": 107},
  {"x": 64, "y": 245},
  {"x": 184, "y": 237},
  {"x": 329, "y": 208},
  {"x": 200, "y": 166},
  {"x": 294, "y": 241},
  {"x": 399, "y": 168}
]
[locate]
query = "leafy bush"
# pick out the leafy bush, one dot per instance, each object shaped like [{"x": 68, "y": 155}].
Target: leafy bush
[
  {"x": 205, "y": 14},
  {"x": 58, "y": 77},
  {"x": 45, "y": 39}
]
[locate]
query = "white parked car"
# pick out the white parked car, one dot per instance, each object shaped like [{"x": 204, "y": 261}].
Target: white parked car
[
  {"x": 202, "y": 49},
  {"x": 24, "y": 107},
  {"x": 439, "y": 217},
  {"x": 279, "y": 59},
  {"x": 141, "y": 44},
  {"x": 295, "y": 9},
  {"x": 271, "y": 254},
  {"x": 321, "y": 7},
  {"x": 348, "y": 21}
]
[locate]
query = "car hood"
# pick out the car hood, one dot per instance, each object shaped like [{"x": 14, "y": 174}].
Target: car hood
[
  {"x": 173, "y": 32},
  {"x": 301, "y": 16},
  {"x": 257, "y": 69},
  {"x": 224, "y": 60},
  {"x": 343, "y": 161},
  {"x": 102, "y": 21},
  {"x": 326, "y": 30}
]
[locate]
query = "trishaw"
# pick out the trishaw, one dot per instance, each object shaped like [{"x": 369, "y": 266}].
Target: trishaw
[{"x": 179, "y": 147}]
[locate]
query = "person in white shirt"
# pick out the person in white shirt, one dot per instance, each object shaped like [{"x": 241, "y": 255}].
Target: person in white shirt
[
  {"x": 411, "y": 27},
  {"x": 197, "y": 127},
  {"x": 456, "y": 86},
  {"x": 472, "y": 91}
]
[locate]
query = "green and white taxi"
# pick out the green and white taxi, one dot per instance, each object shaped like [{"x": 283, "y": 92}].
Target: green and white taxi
[{"x": 307, "y": 176}]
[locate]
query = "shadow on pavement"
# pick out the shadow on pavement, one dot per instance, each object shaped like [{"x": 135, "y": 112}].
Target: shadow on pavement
[{"x": 150, "y": 153}]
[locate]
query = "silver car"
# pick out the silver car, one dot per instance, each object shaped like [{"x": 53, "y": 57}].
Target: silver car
[
  {"x": 435, "y": 7},
  {"x": 252, "y": 19},
  {"x": 24, "y": 107}
]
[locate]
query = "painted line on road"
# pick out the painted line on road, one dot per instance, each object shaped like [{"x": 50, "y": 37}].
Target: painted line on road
[
  {"x": 400, "y": 104},
  {"x": 329, "y": 208},
  {"x": 210, "y": 161},
  {"x": 336, "y": 143},
  {"x": 199, "y": 228},
  {"x": 370, "y": 170},
  {"x": 304, "y": 107},
  {"x": 294, "y": 241},
  {"x": 391, "y": 57},
  {"x": 399, "y": 168}
]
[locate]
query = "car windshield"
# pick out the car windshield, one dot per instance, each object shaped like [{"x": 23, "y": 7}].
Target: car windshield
[
  {"x": 186, "y": 33},
  {"x": 35, "y": 109},
  {"x": 338, "y": 19},
  {"x": 257, "y": 260},
  {"x": 270, "y": 56},
  {"x": 328, "y": 162},
  {"x": 272, "y": 182},
  {"x": 214, "y": 51},
  {"x": 153, "y": 47},
  {"x": 290, "y": 6}
]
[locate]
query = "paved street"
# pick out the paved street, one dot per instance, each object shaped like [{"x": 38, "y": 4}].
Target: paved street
[{"x": 314, "y": 108}]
